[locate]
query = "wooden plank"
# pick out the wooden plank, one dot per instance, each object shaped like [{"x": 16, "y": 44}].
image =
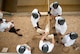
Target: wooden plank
[{"x": 4, "y": 50}]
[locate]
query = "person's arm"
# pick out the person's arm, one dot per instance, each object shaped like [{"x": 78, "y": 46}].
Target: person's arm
[
  {"x": 53, "y": 41},
  {"x": 49, "y": 11},
  {"x": 39, "y": 13},
  {"x": 43, "y": 37}
]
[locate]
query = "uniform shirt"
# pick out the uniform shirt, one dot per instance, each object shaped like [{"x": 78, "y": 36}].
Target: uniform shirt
[
  {"x": 5, "y": 25},
  {"x": 51, "y": 46},
  {"x": 60, "y": 28},
  {"x": 67, "y": 41},
  {"x": 33, "y": 20},
  {"x": 57, "y": 11},
  {"x": 25, "y": 52},
  {"x": 1, "y": 15}
]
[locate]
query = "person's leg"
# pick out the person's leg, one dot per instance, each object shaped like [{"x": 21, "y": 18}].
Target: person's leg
[
  {"x": 38, "y": 24},
  {"x": 17, "y": 29},
  {"x": 13, "y": 30}
]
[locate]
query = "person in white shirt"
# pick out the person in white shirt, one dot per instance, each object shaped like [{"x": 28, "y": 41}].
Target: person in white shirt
[
  {"x": 69, "y": 39},
  {"x": 35, "y": 16},
  {"x": 60, "y": 25},
  {"x": 46, "y": 46},
  {"x": 23, "y": 49},
  {"x": 8, "y": 26},
  {"x": 55, "y": 10}
]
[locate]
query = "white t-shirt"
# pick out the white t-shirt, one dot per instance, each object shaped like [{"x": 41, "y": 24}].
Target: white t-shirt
[
  {"x": 5, "y": 25},
  {"x": 67, "y": 41},
  {"x": 33, "y": 20},
  {"x": 57, "y": 11},
  {"x": 1, "y": 15},
  {"x": 25, "y": 52},
  {"x": 41, "y": 43},
  {"x": 60, "y": 28}
]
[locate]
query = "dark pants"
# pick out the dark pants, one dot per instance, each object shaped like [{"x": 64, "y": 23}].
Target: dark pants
[
  {"x": 38, "y": 25},
  {"x": 13, "y": 30}
]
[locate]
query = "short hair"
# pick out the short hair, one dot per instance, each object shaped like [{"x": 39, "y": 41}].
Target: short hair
[
  {"x": 61, "y": 21},
  {"x": 73, "y": 35},
  {"x": 45, "y": 48},
  {"x": 35, "y": 15},
  {"x": 55, "y": 5},
  {"x": 22, "y": 49}
]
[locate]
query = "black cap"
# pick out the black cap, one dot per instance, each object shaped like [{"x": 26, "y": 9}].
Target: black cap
[
  {"x": 61, "y": 21},
  {"x": 45, "y": 48},
  {"x": 55, "y": 5},
  {"x": 35, "y": 15},
  {"x": 22, "y": 49},
  {"x": 73, "y": 35}
]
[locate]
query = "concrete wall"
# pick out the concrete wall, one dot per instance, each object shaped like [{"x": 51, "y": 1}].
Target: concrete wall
[
  {"x": 42, "y": 5},
  {"x": 10, "y": 5},
  {"x": 29, "y": 5}
]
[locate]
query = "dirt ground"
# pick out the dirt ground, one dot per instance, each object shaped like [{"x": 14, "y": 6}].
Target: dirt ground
[{"x": 11, "y": 40}]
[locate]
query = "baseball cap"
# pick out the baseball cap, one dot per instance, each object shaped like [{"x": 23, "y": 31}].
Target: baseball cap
[
  {"x": 45, "y": 48},
  {"x": 73, "y": 35},
  {"x": 55, "y": 5},
  {"x": 61, "y": 21},
  {"x": 22, "y": 49},
  {"x": 35, "y": 15}
]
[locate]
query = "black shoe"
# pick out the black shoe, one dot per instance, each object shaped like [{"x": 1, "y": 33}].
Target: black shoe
[
  {"x": 17, "y": 29},
  {"x": 20, "y": 35}
]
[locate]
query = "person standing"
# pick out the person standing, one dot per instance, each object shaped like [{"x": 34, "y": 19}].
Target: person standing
[
  {"x": 46, "y": 46},
  {"x": 35, "y": 16},
  {"x": 69, "y": 39},
  {"x": 55, "y": 10},
  {"x": 23, "y": 49},
  {"x": 60, "y": 25}
]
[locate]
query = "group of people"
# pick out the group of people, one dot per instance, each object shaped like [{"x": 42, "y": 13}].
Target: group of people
[{"x": 55, "y": 11}]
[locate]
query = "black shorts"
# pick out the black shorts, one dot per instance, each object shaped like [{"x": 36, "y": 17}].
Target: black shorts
[{"x": 12, "y": 30}]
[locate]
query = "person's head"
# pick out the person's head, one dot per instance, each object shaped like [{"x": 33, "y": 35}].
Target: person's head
[
  {"x": 61, "y": 21},
  {"x": 22, "y": 49},
  {"x": 35, "y": 13},
  {"x": 1, "y": 20},
  {"x": 55, "y": 5},
  {"x": 45, "y": 48},
  {"x": 73, "y": 35}
]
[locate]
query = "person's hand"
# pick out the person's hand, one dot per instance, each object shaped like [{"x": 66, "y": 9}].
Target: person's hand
[
  {"x": 40, "y": 30},
  {"x": 49, "y": 13},
  {"x": 52, "y": 36},
  {"x": 46, "y": 33}
]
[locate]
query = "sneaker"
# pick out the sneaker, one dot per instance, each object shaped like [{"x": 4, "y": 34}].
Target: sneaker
[
  {"x": 20, "y": 35},
  {"x": 17, "y": 29}
]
